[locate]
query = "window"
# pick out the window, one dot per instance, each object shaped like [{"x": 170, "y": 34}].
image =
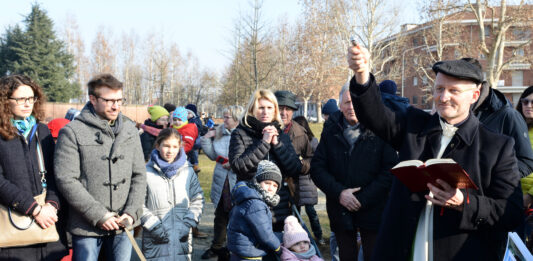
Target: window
[
  {"x": 482, "y": 56},
  {"x": 521, "y": 34},
  {"x": 487, "y": 31},
  {"x": 457, "y": 54},
  {"x": 415, "y": 99},
  {"x": 415, "y": 81},
  {"x": 415, "y": 42},
  {"x": 519, "y": 52},
  {"x": 424, "y": 80},
  {"x": 517, "y": 78}
]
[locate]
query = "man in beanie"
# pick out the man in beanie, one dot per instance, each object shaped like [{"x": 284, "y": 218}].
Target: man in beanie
[
  {"x": 329, "y": 108},
  {"x": 389, "y": 97},
  {"x": 250, "y": 234},
  {"x": 302, "y": 189},
  {"x": 296, "y": 243},
  {"x": 159, "y": 118},
  {"x": 444, "y": 222}
]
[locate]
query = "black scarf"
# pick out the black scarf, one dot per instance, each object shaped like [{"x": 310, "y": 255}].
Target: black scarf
[
  {"x": 269, "y": 199},
  {"x": 257, "y": 126}
]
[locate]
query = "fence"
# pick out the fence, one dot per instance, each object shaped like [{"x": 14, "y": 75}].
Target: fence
[{"x": 54, "y": 110}]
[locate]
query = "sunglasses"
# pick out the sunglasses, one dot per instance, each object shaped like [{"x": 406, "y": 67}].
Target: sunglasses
[{"x": 526, "y": 102}]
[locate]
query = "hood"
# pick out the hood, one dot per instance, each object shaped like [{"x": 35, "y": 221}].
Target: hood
[
  {"x": 241, "y": 192},
  {"x": 494, "y": 101},
  {"x": 394, "y": 98}
]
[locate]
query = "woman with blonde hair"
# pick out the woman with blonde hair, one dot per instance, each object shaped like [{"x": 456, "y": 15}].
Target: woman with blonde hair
[{"x": 259, "y": 136}]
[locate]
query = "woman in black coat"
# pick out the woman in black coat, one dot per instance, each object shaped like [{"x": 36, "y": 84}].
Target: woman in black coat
[
  {"x": 259, "y": 137},
  {"x": 21, "y": 110}
]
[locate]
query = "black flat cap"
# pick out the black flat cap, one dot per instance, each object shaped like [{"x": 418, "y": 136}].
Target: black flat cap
[
  {"x": 286, "y": 98},
  {"x": 465, "y": 68}
]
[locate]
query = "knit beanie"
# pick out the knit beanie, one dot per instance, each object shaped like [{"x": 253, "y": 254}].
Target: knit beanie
[
  {"x": 169, "y": 107},
  {"x": 56, "y": 124},
  {"x": 180, "y": 113},
  {"x": 157, "y": 112},
  {"x": 192, "y": 107},
  {"x": 330, "y": 107},
  {"x": 267, "y": 170},
  {"x": 388, "y": 86},
  {"x": 293, "y": 232}
]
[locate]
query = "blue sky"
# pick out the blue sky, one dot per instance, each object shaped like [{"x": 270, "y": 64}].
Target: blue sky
[{"x": 201, "y": 26}]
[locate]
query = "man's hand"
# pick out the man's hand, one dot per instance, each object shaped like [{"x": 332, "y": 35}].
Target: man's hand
[
  {"x": 447, "y": 196},
  {"x": 110, "y": 224},
  {"x": 348, "y": 200},
  {"x": 358, "y": 58},
  {"x": 122, "y": 220},
  {"x": 47, "y": 216}
]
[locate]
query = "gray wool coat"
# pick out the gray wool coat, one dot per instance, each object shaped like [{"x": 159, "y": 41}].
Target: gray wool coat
[{"x": 98, "y": 172}]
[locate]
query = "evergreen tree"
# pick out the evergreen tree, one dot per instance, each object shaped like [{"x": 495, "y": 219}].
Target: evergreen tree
[{"x": 37, "y": 53}]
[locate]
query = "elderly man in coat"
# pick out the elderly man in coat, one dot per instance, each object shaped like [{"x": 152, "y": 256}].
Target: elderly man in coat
[
  {"x": 351, "y": 165},
  {"x": 99, "y": 167},
  {"x": 305, "y": 192},
  {"x": 443, "y": 223}
]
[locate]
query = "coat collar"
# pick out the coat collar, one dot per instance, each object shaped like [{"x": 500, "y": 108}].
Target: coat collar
[{"x": 467, "y": 130}]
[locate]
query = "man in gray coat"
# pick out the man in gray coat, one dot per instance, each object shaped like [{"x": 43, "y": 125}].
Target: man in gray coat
[{"x": 100, "y": 170}]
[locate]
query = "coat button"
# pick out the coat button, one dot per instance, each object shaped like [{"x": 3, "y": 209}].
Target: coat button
[
  {"x": 451, "y": 145},
  {"x": 16, "y": 204}
]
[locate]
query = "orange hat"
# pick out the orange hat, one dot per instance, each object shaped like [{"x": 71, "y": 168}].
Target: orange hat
[{"x": 56, "y": 124}]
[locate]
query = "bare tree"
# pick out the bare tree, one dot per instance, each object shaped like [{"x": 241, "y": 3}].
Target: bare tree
[
  {"x": 76, "y": 47},
  {"x": 494, "y": 23}
]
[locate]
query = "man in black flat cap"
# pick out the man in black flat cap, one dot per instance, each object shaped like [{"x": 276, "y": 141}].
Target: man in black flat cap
[
  {"x": 443, "y": 223},
  {"x": 304, "y": 190}
]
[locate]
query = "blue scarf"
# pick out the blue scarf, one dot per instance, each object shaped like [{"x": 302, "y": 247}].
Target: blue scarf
[
  {"x": 170, "y": 169},
  {"x": 25, "y": 126},
  {"x": 306, "y": 255}
]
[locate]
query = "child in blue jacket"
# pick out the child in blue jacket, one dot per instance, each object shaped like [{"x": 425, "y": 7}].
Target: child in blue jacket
[{"x": 250, "y": 235}]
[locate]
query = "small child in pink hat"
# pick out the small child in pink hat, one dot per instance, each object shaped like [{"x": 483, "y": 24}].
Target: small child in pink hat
[{"x": 296, "y": 243}]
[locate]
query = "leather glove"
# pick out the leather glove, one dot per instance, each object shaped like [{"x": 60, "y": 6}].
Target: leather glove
[{"x": 159, "y": 234}]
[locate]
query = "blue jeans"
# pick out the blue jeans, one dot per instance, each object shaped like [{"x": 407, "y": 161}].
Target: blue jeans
[{"x": 117, "y": 247}]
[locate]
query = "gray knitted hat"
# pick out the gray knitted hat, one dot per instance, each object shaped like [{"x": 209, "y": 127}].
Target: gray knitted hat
[{"x": 267, "y": 170}]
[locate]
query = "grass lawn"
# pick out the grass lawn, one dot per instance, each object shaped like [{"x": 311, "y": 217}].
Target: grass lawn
[{"x": 206, "y": 177}]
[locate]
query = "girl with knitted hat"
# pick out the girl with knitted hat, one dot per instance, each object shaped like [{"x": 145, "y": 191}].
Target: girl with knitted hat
[{"x": 296, "y": 243}]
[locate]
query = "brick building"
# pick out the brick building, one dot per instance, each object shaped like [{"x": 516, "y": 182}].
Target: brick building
[{"x": 460, "y": 37}]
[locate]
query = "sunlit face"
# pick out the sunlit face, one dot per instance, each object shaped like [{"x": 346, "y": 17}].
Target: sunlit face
[
  {"x": 269, "y": 186},
  {"x": 106, "y": 109},
  {"x": 286, "y": 114},
  {"x": 527, "y": 106},
  {"x": 162, "y": 121},
  {"x": 300, "y": 247},
  {"x": 169, "y": 149},
  {"x": 21, "y": 111},
  {"x": 177, "y": 122},
  {"x": 346, "y": 107},
  {"x": 453, "y": 97},
  {"x": 264, "y": 110},
  {"x": 229, "y": 122}
]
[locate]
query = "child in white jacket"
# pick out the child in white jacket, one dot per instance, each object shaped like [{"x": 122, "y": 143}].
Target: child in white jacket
[{"x": 174, "y": 201}]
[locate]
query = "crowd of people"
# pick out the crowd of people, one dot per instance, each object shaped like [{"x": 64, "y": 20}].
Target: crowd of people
[{"x": 103, "y": 174}]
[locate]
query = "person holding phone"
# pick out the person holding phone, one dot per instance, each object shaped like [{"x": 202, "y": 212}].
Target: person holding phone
[
  {"x": 351, "y": 166},
  {"x": 215, "y": 144}
]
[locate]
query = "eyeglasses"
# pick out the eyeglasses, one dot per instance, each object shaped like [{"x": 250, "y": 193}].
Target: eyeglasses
[
  {"x": 111, "y": 102},
  {"x": 526, "y": 102},
  {"x": 24, "y": 100}
]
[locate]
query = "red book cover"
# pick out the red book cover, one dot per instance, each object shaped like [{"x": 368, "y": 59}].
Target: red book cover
[{"x": 416, "y": 174}]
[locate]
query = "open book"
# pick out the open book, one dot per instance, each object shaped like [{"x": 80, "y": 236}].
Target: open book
[{"x": 415, "y": 174}]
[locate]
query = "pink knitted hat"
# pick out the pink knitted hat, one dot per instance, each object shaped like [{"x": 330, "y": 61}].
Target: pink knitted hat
[{"x": 293, "y": 232}]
